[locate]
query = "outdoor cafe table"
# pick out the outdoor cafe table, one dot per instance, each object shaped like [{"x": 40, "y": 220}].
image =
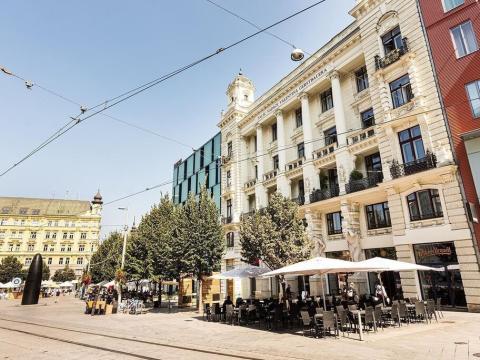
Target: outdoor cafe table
[{"x": 358, "y": 314}]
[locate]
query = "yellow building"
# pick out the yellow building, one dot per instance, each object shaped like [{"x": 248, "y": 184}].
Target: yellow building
[{"x": 64, "y": 232}]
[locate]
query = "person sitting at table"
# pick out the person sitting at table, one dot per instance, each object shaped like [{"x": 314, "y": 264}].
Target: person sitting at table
[
  {"x": 380, "y": 293},
  {"x": 238, "y": 302},
  {"x": 288, "y": 292},
  {"x": 225, "y": 303}
]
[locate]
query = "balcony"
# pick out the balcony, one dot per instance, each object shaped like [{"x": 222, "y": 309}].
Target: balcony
[
  {"x": 226, "y": 220},
  {"x": 361, "y": 135},
  {"x": 250, "y": 183},
  {"x": 294, "y": 164},
  {"x": 300, "y": 200},
  {"x": 428, "y": 162},
  {"x": 325, "y": 151},
  {"x": 319, "y": 195},
  {"x": 392, "y": 56},
  {"x": 363, "y": 184},
  {"x": 270, "y": 175},
  {"x": 226, "y": 159}
]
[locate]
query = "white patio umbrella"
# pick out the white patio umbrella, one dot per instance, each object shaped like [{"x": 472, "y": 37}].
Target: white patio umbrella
[
  {"x": 108, "y": 284},
  {"x": 66, "y": 284},
  {"x": 394, "y": 265},
  {"x": 320, "y": 266},
  {"x": 248, "y": 271}
]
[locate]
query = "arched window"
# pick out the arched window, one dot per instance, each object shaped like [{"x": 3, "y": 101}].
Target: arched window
[
  {"x": 424, "y": 204},
  {"x": 230, "y": 240}
]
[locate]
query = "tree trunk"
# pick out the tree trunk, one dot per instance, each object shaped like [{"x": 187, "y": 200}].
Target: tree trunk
[
  {"x": 199, "y": 294},
  {"x": 159, "y": 292}
]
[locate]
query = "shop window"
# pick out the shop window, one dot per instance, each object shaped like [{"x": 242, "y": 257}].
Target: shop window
[
  {"x": 390, "y": 279},
  {"x": 424, "y": 204}
]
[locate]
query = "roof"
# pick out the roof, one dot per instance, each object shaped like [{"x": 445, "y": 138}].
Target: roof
[{"x": 33, "y": 206}]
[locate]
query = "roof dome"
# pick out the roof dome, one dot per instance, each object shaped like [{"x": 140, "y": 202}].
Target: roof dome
[{"x": 97, "y": 199}]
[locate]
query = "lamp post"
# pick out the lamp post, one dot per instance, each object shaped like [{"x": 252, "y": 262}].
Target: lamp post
[{"x": 124, "y": 250}]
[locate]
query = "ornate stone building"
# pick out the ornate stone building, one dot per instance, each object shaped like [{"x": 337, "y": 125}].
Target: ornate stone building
[
  {"x": 64, "y": 232},
  {"x": 356, "y": 135}
]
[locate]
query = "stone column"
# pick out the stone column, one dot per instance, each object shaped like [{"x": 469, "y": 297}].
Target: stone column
[
  {"x": 260, "y": 191},
  {"x": 340, "y": 121},
  {"x": 283, "y": 185}
]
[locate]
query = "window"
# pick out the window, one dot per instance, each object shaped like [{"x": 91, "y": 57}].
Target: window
[
  {"x": 49, "y": 261},
  {"x": 230, "y": 240},
  {"x": 54, "y": 235},
  {"x": 411, "y": 144},
  {"x": 229, "y": 178},
  {"x": 22, "y": 223},
  {"x": 70, "y": 236},
  {"x": 6, "y": 210},
  {"x": 298, "y": 117},
  {"x": 464, "y": 40},
  {"x": 274, "y": 132},
  {"x": 17, "y": 247},
  {"x": 31, "y": 247},
  {"x": 368, "y": 118},
  {"x": 301, "y": 150},
  {"x": 229, "y": 149},
  {"x": 49, "y": 223},
  {"x": 28, "y": 261},
  {"x": 361, "y": 77},
  {"x": 79, "y": 261},
  {"x": 275, "y": 162},
  {"x": 55, "y": 224},
  {"x": 60, "y": 261},
  {"x": 256, "y": 172},
  {"x": 326, "y": 99},
  {"x": 2, "y": 234},
  {"x": 62, "y": 249},
  {"x": 45, "y": 247},
  {"x": 392, "y": 40},
  {"x": 81, "y": 248},
  {"x": 33, "y": 235},
  {"x": 69, "y": 247},
  {"x": 23, "y": 211},
  {"x": 47, "y": 235},
  {"x": 424, "y": 204},
  {"x": 401, "y": 91},
  {"x": 10, "y": 247},
  {"x": 378, "y": 216},
  {"x": 373, "y": 164},
  {"x": 330, "y": 136},
  {"x": 229, "y": 208},
  {"x": 451, "y": 4},
  {"x": 64, "y": 235},
  {"x": 473, "y": 92},
  {"x": 334, "y": 223},
  {"x": 35, "y": 211},
  {"x": 67, "y": 261}
]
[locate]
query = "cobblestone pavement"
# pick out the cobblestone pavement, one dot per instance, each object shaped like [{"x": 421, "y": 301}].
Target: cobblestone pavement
[{"x": 60, "y": 330}]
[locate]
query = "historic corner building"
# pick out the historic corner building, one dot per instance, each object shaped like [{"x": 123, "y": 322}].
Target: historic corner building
[
  {"x": 356, "y": 134},
  {"x": 64, "y": 232},
  {"x": 201, "y": 168}
]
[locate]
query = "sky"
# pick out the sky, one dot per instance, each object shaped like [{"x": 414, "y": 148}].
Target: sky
[{"x": 90, "y": 51}]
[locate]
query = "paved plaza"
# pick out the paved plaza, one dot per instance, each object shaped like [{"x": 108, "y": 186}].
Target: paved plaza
[{"x": 60, "y": 330}]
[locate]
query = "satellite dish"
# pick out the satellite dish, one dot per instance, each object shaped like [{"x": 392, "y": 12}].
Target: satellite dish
[
  {"x": 17, "y": 282},
  {"x": 297, "y": 54}
]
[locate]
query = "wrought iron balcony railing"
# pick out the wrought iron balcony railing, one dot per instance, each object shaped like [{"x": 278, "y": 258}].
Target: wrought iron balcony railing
[
  {"x": 428, "y": 162},
  {"x": 362, "y": 184},
  {"x": 319, "y": 195},
  {"x": 226, "y": 220},
  {"x": 300, "y": 200},
  {"x": 392, "y": 57}
]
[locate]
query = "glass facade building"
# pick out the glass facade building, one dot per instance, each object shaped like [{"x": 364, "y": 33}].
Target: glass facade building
[{"x": 200, "y": 168}]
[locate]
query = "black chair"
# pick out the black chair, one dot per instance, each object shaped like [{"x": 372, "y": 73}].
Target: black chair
[{"x": 308, "y": 325}]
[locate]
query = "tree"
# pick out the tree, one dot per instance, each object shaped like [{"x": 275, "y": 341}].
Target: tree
[
  {"x": 107, "y": 259},
  {"x": 45, "y": 271},
  {"x": 65, "y": 274},
  {"x": 137, "y": 259},
  {"x": 200, "y": 228},
  {"x": 10, "y": 267},
  {"x": 275, "y": 235}
]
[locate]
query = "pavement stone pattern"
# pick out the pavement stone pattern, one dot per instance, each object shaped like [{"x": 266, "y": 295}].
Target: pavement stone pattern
[{"x": 58, "y": 329}]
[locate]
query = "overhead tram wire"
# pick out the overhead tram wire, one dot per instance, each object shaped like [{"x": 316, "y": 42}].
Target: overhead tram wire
[
  {"x": 131, "y": 93},
  {"x": 253, "y": 24}
]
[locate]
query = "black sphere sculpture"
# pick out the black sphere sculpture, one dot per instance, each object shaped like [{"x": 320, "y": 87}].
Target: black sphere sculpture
[{"x": 34, "y": 282}]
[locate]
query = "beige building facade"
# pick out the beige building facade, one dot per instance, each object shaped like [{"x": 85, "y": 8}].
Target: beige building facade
[
  {"x": 356, "y": 135},
  {"x": 64, "y": 232}
]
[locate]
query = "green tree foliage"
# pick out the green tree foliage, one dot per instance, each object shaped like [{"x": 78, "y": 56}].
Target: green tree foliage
[
  {"x": 276, "y": 235},
  {"x": 65, "y": 274},
  {"x": 45, "y": 271},
  {"x": 107, "y": 259},
  {"x": 10, "y": 268},
  {"x": 137, "y": 259},
  {"x": 200, "y": 228}
]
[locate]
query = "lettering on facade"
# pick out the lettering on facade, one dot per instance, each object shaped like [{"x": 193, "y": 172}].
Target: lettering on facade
[
  {"x": 434, "y": 251},
  {"x": 289, "y": 96}
]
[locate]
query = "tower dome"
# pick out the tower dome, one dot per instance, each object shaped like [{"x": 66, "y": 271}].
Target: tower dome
[{"x": 97, "y": 199}]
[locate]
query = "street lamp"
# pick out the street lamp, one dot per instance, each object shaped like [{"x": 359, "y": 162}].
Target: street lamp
[
  {"x": 124, "y": 250},
  {"x": 297, "y": 54}
]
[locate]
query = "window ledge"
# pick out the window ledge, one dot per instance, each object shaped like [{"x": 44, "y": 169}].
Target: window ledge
[
  {"x": 427, "y": 222},
  {"x": 381, "y": 231},
  {"x": 335, "y": 237}
]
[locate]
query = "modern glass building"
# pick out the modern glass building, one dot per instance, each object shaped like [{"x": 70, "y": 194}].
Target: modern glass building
[{"x": 200, "y": 168}]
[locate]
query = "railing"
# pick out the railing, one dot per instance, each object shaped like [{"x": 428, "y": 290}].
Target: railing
[
  {"x": 325, "y": 151},
  {"x": 319, "y": 195},
  {"x": 270, "y": 175},
  {"x": 392, "y": 57},
  {"x": 363, "y": 184},
  {"x": 300, "y": 200},
  {"x": 362, "y": 135},
  {"x": 226, "y": 159},
  {"x": 226, "y": 220},
  {"x": 250, "y": 183},
  {"x": 294, "y": 164},
  {"x": 432, "y": 215},
  {"x": 428, "y": 162}
]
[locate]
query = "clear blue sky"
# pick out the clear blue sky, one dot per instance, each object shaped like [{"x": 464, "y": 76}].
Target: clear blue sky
[{"x": 93, "y": 50}]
